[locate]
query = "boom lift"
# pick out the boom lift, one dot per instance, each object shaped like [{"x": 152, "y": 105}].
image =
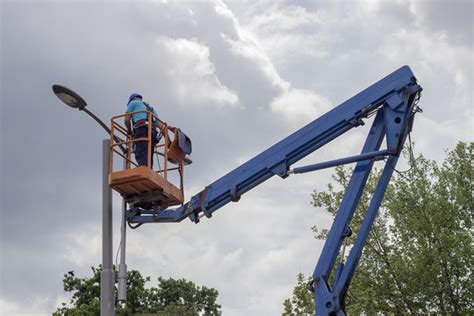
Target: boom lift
[{"x": 393, "y": 100}]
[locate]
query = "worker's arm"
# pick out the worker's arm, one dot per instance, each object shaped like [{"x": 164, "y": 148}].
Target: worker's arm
[
  {"x": 161, "y": 125},
  {"x": 128, "y": 124},
  {"x": 128, "y": 118}
]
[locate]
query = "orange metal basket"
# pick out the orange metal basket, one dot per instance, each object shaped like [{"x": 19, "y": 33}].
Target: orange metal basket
[{"x": 141, "y": 185}]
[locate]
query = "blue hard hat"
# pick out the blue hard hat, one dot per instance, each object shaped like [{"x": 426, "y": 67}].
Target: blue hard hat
[{"x": 133, "y": 96}]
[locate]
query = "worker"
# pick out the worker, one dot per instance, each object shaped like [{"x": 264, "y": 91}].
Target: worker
[{"x": 140, "y": 128}]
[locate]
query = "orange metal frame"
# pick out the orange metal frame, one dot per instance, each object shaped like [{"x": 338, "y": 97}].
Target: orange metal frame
[{"x": 162, "y": 148}]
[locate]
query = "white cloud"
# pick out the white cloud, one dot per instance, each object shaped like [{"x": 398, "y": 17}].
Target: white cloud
[
  {"x": 285, "y": 31},
  {"x": 247, "y": 47},
  {"x": 300, "y": 106},
  {"x": 81, "y": 248},
  {"x": 39, "y": 306},
  {"x": 193, "y": 75},
  {"x": 370, "y": 6}
]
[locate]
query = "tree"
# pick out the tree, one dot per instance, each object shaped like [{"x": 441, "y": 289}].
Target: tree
[
  {"x": 302, "y": 301},
  {"x": 171, "y": 297},
  {"x": 418, "y": 258}
]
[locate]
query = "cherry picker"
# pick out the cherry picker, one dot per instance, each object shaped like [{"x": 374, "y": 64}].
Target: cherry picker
[{"x": 392, "y": 100}]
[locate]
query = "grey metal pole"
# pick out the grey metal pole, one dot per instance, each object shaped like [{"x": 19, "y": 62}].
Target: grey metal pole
[
  {"x": 122, "y": 272},
  {"x": 107, "y": 282}
]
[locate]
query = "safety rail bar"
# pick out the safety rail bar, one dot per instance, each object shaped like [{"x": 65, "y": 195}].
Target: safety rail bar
[{"x": 164, "y": 144}]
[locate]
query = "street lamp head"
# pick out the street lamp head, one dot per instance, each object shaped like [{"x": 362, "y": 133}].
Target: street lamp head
[{"x": 69, "y": 97}]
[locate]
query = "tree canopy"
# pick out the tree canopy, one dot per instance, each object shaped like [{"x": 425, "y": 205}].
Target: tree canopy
[
  {"x": 418, "y": 258},
  {"x": 171, "y": 297}
]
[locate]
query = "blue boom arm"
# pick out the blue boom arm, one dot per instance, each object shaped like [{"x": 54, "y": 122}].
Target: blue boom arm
[{"x": 393, "y": 102}]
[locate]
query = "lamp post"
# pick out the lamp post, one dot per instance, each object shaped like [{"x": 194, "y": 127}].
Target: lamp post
[{"x": 107, "y": 299}]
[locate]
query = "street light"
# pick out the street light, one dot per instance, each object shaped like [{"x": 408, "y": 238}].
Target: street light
[
  {"x": 69, "y": 97},
  {"x": 74, "y": 100},
  {"x": 107, "y": 300}
]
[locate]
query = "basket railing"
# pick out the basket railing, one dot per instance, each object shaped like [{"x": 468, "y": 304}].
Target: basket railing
[{"x": 122, "y": 144}]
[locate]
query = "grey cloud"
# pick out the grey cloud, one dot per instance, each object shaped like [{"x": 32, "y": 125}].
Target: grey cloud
[{"x": 456, "y": 18}]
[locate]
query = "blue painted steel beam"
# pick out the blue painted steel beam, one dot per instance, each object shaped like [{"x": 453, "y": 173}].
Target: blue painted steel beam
[
  {"x": 327, "y": 300},
  {"x": 361, "y": 239},
  {"x": 327, "y": 258},
  {"x": 342, "y": 161},
  {"x": 355, "y": 253}
]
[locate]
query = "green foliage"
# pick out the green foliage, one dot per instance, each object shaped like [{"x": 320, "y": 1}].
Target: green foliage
[
  {"x": 418, "y": 259},
  {"x": 302, "y": 301},
  {"x": 86, "y": 294},
  {"x": 171, "y": 297},
  {"x": 183, "y": 296}
]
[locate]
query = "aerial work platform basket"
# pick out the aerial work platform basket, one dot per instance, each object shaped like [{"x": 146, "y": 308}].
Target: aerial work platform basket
[{"x": 144, "y": 186}]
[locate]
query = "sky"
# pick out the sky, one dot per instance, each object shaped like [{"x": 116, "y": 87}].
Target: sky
[{"x": 236, "y": 76}]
